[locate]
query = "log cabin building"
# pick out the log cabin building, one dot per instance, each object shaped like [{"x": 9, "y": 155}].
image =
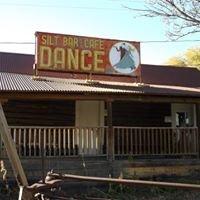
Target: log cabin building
[{"x": 99, "y": 123}]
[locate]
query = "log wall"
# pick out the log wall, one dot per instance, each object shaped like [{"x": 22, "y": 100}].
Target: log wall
[
  {"x": 40, "y": 113},
  {"x": 129, "y": 113}
]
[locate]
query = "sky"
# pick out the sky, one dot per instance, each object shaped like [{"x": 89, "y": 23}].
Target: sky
[{"x": 20, "y": 19}]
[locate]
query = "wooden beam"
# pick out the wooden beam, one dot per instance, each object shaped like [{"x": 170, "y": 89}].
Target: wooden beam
[
  {"x": 11, "y": 150},
  {"x": 101, "y": 96},
  {"x": 110, "y": 143},
  {"x": 198, "y": 125}
]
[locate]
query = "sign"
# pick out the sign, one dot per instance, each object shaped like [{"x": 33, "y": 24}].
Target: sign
[{"x": 70, "y": 53}]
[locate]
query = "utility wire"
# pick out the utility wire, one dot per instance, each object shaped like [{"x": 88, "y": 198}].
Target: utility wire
[
  {"x": 17, "y": 42},
  {"x": 144, "y": 41}
]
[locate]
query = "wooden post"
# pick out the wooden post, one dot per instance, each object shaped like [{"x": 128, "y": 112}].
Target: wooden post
[
  {"x": 198, "y": 126},
  {"x": 110, "y": 143},
  {"x": 11, "y": 150}
]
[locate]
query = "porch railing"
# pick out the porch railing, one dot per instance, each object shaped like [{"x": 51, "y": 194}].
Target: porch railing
[
  {"x": 59, "y": 141},
  {"x": 73, "y": 141},
  {"x": 155, "y": 141}
]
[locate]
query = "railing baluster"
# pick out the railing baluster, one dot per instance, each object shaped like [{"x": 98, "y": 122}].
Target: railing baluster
[
  {"x": 68, "y": 142},
  {"x": 96, "y": 137},
  {"x": 119, "y": 145},
  {"x": 127, "y": 141},
  {"x": 49, "y": 141},
  {"x": 24, "y": 142},
  {"x": 157, "y": 143},
  {"x": 131, "y": 140},
  {"x": 59, "y": 142},
  {"x": 140, "y": 141},
  {"x": 34, "y": 142},
  {"x": 161, "y": 141},
  {"x": 73, "y": 141},
  {"x": 165, "y": 140},
  {"x": 64, "y": 141},
  {"x": 19, "y": 141},
  {"x": 148, "y": 141},
  {"x": 152, "y": 141},
  {"x": 81, "y": 141},
  {"x": 168, "y": 141},
  {"x": 44, "y": 142},
  {"x": 185, "y": 140},
  {"x": 136, "y": 140},
  {"x": 122, "y": 141},
  {"x": 54, "y": 142},
  {"x": 29, "y": 140},
  {"x": 40, "y": 142}
]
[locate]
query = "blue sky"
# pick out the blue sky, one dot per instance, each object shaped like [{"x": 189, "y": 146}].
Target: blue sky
[{"x": 20, "y": 19}]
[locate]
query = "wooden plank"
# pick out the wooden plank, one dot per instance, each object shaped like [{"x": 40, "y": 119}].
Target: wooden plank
[
  {"x": 19, "y": 141},
  {"x": 152, "y": 141},
  {"x": 29, "y": 140},
  {"x": 52, "y": 96},
  {"x": 54, "y": 142},
  {"x": 165, "y": 141},
  {"x": 136, "y": 140},
  {"x": 117, "y": 132},
  {"x": 49, "y": 142},
  {"x": 34, "y": 141},
  {"x": 127, "y": 141},
  {"x": 169, "y": 136},
  {"x": 122, "y": 144},
  {"x": 110, "y": 132},
  {"x": 131, "y": 142},
  {"x": 157, "y": 142},
  {"x": 68, "y": 142},
  {"x": 59, "y": 142},
  {"x": 11, "y": 150},
  {"x": 64, "y": 141},
  {"x": 185, "y": 140},
  {"x": 197, "y": 106},
  {"x": 149, "y": 140},
  {"x": 110, "y": 142},
  {"x": 140, "y": 141},
  {"x": 24, "y": 141}
]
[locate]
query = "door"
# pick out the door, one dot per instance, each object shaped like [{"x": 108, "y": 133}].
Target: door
[{"x": 89, "y": 117}]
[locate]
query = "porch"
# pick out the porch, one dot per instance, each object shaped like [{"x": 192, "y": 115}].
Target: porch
[{"x": 35, "y": 142}]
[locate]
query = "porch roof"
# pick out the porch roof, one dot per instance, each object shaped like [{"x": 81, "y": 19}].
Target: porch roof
[{"x": 10, "y": 82}]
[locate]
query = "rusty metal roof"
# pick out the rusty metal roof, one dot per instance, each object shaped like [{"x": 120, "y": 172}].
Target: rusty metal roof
[
  {"x": 170, "y": 75},
  {"x": 10, "y": 82},
  {"x": 16, "y": 63}
]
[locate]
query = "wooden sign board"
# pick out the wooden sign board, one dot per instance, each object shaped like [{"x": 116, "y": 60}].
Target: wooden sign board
[{"x": 68, "y": 53}]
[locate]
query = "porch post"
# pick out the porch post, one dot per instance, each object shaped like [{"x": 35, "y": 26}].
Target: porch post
[
  {"x": 198, "y": 126},
  {"x": 11, "y": 150},
  {"x": 110, "y": 143}
]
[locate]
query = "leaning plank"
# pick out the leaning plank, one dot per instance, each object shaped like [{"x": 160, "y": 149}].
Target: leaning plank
[
  {"x": 54, "y": 180},
  {"x": 11, "y": 150}
]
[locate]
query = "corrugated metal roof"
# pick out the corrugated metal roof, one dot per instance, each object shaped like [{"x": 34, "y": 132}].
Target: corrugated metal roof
[{"x": 10, "y": 82}]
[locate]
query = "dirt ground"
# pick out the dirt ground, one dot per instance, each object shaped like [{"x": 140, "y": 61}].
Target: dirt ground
[{"x": 118, "y": 192}]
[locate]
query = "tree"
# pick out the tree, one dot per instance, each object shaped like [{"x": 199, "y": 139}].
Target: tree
[
  {"x": 190, "y": 58},
  {"x": 182, "y": 16},
  {"x": 176, "y": 61}
]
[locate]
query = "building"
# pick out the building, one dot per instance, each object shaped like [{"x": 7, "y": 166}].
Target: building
[{"x": 63, "y": 121}]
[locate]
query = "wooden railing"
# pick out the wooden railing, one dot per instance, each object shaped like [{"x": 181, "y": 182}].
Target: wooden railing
[
  {"x": 74, "y": 141},
  {"x": 59, "y": 141},
  {"x": 155, "y": 141}
]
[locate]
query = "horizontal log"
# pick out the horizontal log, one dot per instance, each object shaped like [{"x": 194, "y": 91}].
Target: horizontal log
[{"x": 53, "y": 179}]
